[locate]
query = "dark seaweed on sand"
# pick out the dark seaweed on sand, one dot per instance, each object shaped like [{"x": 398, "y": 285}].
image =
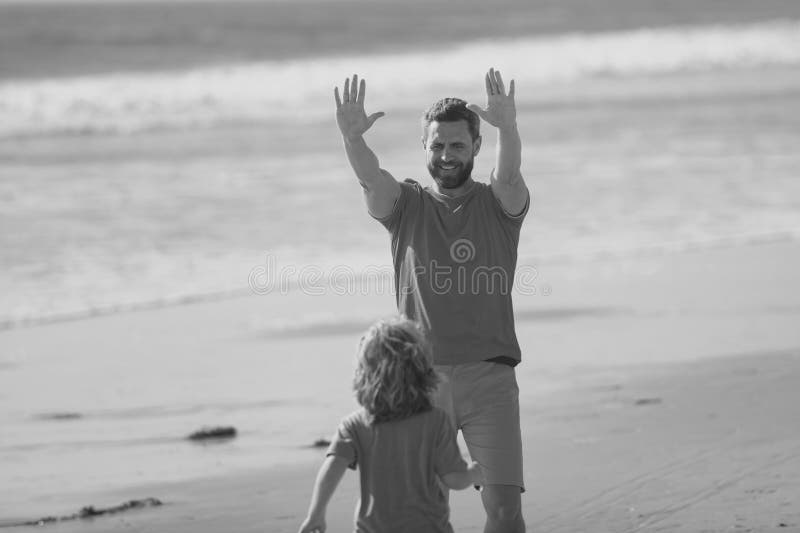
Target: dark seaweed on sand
[
  {"x": 221, "y": 432},
  {"x": 91, "y": 512}
]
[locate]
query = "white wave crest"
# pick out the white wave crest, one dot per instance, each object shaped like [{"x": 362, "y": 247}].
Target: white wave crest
[{"x": 301, "y": 90}]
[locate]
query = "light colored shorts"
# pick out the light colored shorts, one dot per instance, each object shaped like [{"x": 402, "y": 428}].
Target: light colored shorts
[{"x": 482, "y": 400}]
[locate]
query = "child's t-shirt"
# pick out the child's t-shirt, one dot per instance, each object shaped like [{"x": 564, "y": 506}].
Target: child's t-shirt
[{"x": 399, "y": 462}]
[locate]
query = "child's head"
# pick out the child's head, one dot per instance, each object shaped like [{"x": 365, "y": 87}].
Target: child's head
[{"x": 394, "y": 374}]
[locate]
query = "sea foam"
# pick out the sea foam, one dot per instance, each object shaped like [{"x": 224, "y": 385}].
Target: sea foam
[{"x": 301, "y": 90}]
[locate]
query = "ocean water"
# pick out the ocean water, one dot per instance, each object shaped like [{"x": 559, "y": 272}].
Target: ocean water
[
  {"x": 159, "y": 153},
  {"x": 129, "y": 188}
]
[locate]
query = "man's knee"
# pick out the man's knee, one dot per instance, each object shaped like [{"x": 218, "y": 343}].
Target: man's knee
[{"x": 502, "y": 503}]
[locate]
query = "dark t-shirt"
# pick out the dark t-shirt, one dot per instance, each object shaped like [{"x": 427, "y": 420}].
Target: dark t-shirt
[
  {"x": 399, "y": 462},
  {"x": 454, "y": 262}
]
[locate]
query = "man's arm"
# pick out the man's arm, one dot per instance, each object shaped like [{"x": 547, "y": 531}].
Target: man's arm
[
  {"x": 380, "y": 188},
  {"x": 506, "y": 181},
  {"x": 328, "y": 479}
]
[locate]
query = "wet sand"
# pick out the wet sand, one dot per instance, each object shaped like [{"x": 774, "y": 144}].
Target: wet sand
[{"x": 658, "y": 393}]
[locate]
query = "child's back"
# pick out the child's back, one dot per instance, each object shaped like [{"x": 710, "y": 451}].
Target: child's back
[
  {"x": 402, "y": 445},
  {"x": 399, "y": 462}
]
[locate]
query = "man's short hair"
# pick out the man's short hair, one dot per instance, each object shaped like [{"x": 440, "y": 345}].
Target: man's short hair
[{"x": 452, "y": 110}]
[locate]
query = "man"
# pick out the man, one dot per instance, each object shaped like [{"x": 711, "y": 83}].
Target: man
[{"x": 454, "y": 247}]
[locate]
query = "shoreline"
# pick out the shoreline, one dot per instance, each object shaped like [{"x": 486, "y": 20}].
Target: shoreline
[{"x": 667, "y": 248}]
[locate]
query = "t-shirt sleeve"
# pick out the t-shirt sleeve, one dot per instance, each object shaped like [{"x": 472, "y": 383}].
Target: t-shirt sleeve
[
  {"x": 343, "y": 444},
  {"x": 448, "y": 456},
  {"x": 404, "y": 203},
  {"x": 514, "y": 220}
]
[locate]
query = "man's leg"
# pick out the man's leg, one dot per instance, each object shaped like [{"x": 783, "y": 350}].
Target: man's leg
[
  {"x": 503, "y": 507},
  {"x": 486, "y": 400}
]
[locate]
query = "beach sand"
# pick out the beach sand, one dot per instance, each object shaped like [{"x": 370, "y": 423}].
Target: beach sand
[
  {"x": 702, "y": 446},
  {"x": 659, "y": 392}
]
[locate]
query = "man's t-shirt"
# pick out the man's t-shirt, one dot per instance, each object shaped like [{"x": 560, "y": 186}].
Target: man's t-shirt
[
  {"x": 399, "y": 462},
  {"x": 454, "y": 263}
]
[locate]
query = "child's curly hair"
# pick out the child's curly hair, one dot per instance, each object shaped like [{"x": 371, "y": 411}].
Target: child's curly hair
[{"x": 394, "y": 376}]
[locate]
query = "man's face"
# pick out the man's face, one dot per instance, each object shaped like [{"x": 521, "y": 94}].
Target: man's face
[{"x": 450, "y": 152}]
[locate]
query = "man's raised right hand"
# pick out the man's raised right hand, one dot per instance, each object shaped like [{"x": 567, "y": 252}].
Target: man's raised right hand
[{"x": 350, "y": 115}]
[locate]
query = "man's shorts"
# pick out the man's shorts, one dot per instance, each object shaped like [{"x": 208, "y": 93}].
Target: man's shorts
[{"x": 482, "y": 400}]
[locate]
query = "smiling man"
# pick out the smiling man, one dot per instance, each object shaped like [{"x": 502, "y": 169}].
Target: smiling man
[
  {"x": 449, "y": 146},
  {"x": 454, "y": 248}
]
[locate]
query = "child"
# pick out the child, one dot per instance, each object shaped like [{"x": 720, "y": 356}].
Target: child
[{"x": 402, "y": 445}]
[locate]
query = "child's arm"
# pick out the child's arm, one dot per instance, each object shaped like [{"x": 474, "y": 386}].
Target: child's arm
[
  {"x": 461, "y": 480},
  {"x": 330, "y": 473}
]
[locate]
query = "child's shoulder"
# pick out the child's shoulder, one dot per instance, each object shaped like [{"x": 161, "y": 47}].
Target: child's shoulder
[
  {"x": 431, "y": 417},
  {"x": 438, "y": 413},
  {"x": 361, "y": 419},
  {"x": 358, "y": 418}
]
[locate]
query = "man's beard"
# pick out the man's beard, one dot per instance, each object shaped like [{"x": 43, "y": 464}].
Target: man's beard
[{"x": 451, "y": 180}]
